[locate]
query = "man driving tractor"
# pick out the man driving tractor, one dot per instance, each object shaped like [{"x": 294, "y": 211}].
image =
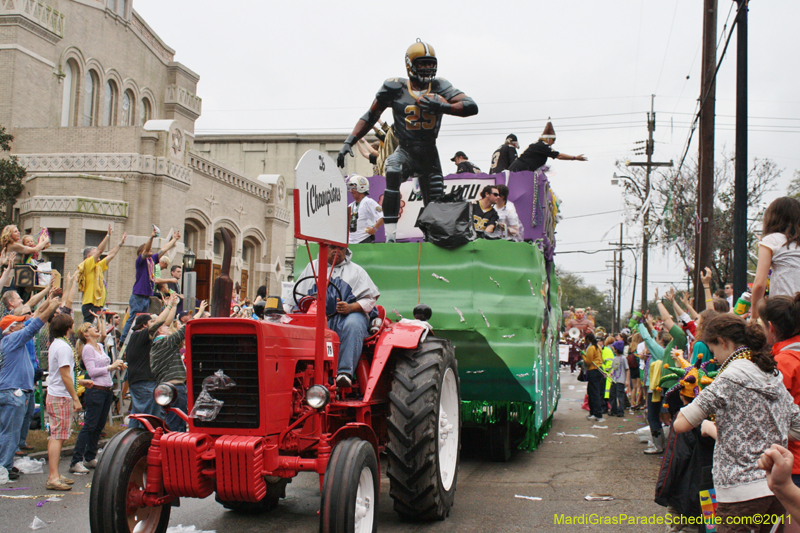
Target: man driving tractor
[{"x": 348, "y": 309}]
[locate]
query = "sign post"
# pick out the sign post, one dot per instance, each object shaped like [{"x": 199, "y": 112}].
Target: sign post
[{"x": 320, "y": 215}]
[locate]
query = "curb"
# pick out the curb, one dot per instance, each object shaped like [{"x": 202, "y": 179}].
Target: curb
[{"x": 66, "y": 451}]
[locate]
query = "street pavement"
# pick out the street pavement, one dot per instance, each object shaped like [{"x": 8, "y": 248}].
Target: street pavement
[{"x": 561, "y": 472}]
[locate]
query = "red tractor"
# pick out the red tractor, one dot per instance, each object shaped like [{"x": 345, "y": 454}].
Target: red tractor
[{"x": 265, "y": 408}]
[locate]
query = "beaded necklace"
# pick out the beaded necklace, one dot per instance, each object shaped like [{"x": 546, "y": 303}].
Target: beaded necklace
[
  {"x": 77, "y": 360},
  {"x": 742, "y": 352}
]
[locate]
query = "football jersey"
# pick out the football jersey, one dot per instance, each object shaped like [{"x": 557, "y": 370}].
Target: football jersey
[
  {"x": 502, "y": 158},
  {"x": 412, "y": 124}
]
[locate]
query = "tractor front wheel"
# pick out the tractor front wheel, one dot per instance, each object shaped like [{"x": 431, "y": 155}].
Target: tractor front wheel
[
  {"x": 350, "y": 490},
  {"x": 424, "y": 430},
  {"x": 121, "y": 474}
]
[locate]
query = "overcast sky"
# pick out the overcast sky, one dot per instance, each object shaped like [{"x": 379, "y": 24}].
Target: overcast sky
[{"x": 589, "y": 65}]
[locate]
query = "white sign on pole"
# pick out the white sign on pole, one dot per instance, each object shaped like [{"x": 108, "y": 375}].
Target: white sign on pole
[
  {"x": 411, "y": 203},
  {"x": 320, "y": 200},
  {"x": 563, "y": 353}
]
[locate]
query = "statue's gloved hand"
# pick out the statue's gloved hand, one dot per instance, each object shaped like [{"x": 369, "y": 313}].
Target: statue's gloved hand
[
  {"x": 346, "y": 149},
  {"x": 434, "y": 104}
]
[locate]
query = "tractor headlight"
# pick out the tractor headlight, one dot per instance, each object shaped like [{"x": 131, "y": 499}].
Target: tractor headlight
[
  {"x": 317, "y": 396},
  {"x": 165, "y": 394}
]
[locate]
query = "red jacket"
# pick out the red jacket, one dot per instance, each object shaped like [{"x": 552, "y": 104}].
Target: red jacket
[{"x": 789, "y": 365}]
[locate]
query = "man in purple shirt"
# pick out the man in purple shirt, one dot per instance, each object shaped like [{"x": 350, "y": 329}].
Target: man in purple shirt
[
  {"x": 16, "y": 378},
  {"x": 144, "y": 285}
]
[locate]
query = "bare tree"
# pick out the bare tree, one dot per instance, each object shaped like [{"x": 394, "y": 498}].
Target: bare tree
[{"x": 673, "y": 208}]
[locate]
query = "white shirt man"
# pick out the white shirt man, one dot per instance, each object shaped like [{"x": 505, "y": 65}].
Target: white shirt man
[{"x": 366, "y": 216}]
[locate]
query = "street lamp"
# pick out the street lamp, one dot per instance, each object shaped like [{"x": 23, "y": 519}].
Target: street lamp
[
  {"x": 189, "y": 258},
  {"x": 189, "y": 281},
  {"x": 615, "y": 181}
]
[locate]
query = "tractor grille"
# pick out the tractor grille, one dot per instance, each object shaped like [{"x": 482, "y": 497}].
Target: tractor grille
[{"x": 237, "y": 357}]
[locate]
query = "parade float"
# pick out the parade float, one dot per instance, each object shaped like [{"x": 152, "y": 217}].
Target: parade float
[{"x": 497, "y": 301}]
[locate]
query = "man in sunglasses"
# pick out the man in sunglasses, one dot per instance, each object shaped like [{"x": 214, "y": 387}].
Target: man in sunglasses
[{"x": 484, "y": 216}]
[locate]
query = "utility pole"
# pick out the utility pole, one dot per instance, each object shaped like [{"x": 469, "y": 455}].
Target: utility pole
[
  {"x": 618, "y": 278},
  {"x": 649, "y": 165},
  {"x": 740, "y": 180},
  {"x": 705, "y": 183},
  {"x": 614, "y": 290}
]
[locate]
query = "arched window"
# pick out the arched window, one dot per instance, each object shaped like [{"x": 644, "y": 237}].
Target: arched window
[
  {"x": 127, "y": 110},
  {"x": 145, "y": 111},
  {"x": 68, "y": 102},
  {"x": 109, "y": 103},
  {"x": 89, "y": 99}
]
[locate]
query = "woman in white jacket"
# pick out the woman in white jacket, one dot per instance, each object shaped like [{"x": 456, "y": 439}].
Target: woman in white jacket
[
  {"x": 752, "y": 410},
  {"x": 509, "y": 226}
]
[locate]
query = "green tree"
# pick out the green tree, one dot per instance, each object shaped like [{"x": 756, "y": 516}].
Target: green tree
[
  {"x": 575, "y": 293},
  {"x": 673, "y": 209},
  {"x": 11, "y": 176}
]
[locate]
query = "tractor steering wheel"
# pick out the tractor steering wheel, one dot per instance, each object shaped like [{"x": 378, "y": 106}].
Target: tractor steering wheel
[{"x": 304, "y": 301}]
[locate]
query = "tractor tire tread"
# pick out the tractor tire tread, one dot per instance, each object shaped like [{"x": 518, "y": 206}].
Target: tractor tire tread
[{"x": 412, "y": 449}]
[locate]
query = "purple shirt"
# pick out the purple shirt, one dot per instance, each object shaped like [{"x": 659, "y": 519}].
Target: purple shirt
[
  {"x": 96, "y": 364},
  {"x": 144, "y": 286}
]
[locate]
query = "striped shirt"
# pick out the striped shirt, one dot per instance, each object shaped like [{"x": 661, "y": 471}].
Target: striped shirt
[{"x": 165, "y": 358}]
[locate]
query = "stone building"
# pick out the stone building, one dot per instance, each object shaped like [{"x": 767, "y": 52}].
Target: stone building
[{"x": 104, "y": 121}]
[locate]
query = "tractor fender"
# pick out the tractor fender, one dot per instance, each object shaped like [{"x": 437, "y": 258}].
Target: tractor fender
[
  {"x": 150, "y": 422},
  {"x": 357, "y": 430},
  {"x": 398, "y": 335}
]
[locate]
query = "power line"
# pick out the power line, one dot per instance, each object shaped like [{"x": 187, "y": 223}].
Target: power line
[
  {"x": 669, "y": 38},
  {"x": 593, "y": 214},
  {"x": 711, "y": 85}
]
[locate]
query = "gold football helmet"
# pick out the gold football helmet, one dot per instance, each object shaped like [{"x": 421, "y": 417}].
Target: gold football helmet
[{"x": 421, "y": 62}]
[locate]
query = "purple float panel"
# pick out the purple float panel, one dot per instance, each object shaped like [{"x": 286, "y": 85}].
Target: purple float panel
[{"x": 528, "y": 191}]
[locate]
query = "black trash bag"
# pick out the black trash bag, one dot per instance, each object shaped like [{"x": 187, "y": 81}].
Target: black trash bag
[{"x": 447, "y": 224}]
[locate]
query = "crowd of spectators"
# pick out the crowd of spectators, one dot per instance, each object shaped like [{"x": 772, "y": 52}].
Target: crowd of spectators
[
  {"x": 720, "y": 385},
  {"x": 92, "y": 362}
]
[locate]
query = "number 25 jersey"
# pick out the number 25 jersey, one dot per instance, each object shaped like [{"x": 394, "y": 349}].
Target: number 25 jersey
[{"x": 412, "y": 124}]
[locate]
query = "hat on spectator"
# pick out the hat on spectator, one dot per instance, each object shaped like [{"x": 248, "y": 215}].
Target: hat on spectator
[
  {"x": 512, "y": 137},
  {"x": 460, "y": 154},
  {"x": 619, "y": 346},
  {"x": 8, "y": 320},
  {"x": 182, "y": 314}
]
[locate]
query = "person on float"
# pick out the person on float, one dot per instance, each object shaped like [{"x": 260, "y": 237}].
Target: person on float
[
  {"x": 366, "y": 215},
  {"x": 537, "y": 153}
]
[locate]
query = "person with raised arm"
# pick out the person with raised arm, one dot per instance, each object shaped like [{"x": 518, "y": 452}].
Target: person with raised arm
[
  {"x": 90, "y": 275},
  {"x": 144, "y": 285}
]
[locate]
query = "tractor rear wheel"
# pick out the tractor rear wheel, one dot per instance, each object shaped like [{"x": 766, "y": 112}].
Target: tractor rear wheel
[
  {"x": 275, "y": 491},
  {"x": 123, "y": 474},
  {"x": 350, "y": 491},
  {"x": 424, "y": 430}
]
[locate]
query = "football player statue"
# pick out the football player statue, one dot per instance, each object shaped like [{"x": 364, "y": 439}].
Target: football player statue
[{"x": 418, "y": 104}]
